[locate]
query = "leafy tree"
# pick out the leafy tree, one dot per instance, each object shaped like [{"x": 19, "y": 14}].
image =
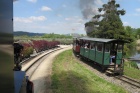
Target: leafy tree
[
  {"x": 138, "y": 33},
  {"x": 110, "y": 25}
]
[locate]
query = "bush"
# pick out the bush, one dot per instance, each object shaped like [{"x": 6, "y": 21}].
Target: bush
[
  {"x": 131, "y": 64},
  {"x": 27, "y": 51}
]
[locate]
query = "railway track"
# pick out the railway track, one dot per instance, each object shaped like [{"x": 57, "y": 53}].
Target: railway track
[
  {"x": 31, "y": 65},
  {"x": 37, "y": 61},
  {"x": 128, "y": 80},
  {"x": 34, "y": 69}
]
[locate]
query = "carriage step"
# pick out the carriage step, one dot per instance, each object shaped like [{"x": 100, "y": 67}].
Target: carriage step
[
  {"x": 112, "y": 69},
  {"x": 109, "y": 72}
]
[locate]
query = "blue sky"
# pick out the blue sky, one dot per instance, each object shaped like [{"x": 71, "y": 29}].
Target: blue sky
[{"x": 66, "y": 16}]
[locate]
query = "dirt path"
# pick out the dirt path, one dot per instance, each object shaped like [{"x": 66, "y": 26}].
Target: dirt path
[{"x": 41, "y": 77}]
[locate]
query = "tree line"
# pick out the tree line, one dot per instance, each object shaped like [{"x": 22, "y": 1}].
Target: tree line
[{"x": 52, "y": 35}]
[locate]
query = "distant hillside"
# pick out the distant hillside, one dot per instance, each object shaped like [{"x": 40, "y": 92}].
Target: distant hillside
[{"x": 21, "y": 33}]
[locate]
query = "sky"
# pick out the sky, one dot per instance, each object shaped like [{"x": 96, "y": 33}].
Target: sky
[{"x": 66, "y": 16}]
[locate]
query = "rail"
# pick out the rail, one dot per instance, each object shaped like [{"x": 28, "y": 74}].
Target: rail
[{"x": 129, "y": 80}]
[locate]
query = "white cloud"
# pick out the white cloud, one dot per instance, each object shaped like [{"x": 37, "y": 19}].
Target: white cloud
[
  {"x": 75, "y": 19},
  {"x": 59, "y": 15},
  {"x": 67, "y": 19},
  {"x": 30, "y": 19},
  {"x": 99, "y": 2},
  {"x": 126, "y": 24},
  {"x": 45, "y": 8},
  {"x": 64, "y": 5},
  {"x": 71, "y": 25},
  {"x": 138, "y": 9},
  {"x": 33, "y": 1}
]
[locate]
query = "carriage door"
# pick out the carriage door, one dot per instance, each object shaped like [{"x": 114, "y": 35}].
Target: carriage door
[
  {"x": 119, "y": 53},
  {"x": 92, "y": 51},
  {"x": 107, "y": 54},
  {"x": 99, "y": 53}
]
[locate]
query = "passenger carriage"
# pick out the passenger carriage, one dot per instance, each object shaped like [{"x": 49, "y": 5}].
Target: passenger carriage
[
  {"x": 76, "y": 45},
  {"x": 103, "y": 51}
]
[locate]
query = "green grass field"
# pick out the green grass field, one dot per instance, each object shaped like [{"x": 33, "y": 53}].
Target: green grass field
[
  {"x": 69, "y": 76},
  {"x": 132, "y": 72}
]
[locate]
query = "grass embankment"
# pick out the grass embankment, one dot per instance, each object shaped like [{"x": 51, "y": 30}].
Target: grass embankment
[
  {"x": 69, "y": 76},
  {"x": 131, "y": 70}
]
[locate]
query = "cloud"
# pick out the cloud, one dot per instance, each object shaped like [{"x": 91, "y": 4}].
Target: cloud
[
  {"x": 33, "y": 1},
  {"x": 64, "y": 6},
  {"x": 45, "y": 8},
  {"x": 30, "y": 19},
  {"x": 138, "y": 9},
  {"x": 73, "y": 25},
  {"x": 99, "y": 2},
  {"x": 67, "y": 19},
  {"x": 59, "y": 15},
  {"x": 125, "y": 23},
  {"x": 75, "y": 20}
]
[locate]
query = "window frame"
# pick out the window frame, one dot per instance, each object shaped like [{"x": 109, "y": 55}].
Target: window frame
[{"x": 97, "y": 47}]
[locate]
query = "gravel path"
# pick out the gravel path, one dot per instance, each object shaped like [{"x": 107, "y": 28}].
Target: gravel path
[
  {"x": 110, "y": 79},
  {"x": 41, "y": 77}
]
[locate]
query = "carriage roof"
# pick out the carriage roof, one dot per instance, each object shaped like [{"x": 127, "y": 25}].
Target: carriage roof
[{"x": 102, "y": 40}]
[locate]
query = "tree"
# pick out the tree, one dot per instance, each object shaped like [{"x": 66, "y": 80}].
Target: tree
[
  {"x": 138, "y": 33},
  {"x": 110, "y": 25}
]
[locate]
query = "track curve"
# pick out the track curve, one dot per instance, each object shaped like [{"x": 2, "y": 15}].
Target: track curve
[{"x": 41, "y": 71}]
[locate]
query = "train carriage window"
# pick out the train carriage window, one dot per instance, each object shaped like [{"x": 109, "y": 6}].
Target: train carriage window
[
  {"x": 120, "y": 48},
  {"x": 77, "y": 42},
  {"x": 107, "y": 47},
  {"x": 99, "y": 47},
  {"x": 82, "y": 43},
  {"x": 87, "y": 44},
  {"x": 92, "y": 46}
]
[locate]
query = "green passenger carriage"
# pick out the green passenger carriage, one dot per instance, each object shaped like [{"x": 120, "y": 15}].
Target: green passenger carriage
[{"x": 108, "y": 53}]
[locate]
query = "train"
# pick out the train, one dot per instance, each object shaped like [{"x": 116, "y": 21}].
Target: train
[{"x": 106, "y": 53}]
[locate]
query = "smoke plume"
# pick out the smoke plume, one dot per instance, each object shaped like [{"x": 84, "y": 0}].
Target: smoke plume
[{"x": 89, "y": 8}]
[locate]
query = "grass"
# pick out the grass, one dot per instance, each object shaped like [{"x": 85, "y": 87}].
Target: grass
[
  {"x": 69, "y": 76},
  {"x": 132, "y": 72}
]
